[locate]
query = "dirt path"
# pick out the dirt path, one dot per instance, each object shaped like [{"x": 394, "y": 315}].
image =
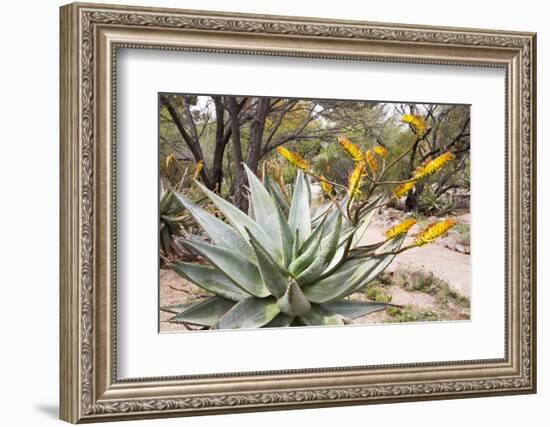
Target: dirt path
[{"x": 448, "y": 265}]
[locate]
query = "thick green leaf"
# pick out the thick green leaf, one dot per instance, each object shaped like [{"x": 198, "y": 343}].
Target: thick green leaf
[
  {"x": 206, "y": 313},
  {"x": 277, "y": 194},
  {"x": 181, "y": 307},
  {"x": 331, "y": 284},
  {"x": 221, "y": 233},
  {"x": 333, "y": 240},
  {"x": 312, "y": 239},
  {"x": 353, "y": 275},
  {"x": 380, "y": 266},
  {"x": 364, "y": 223},
  {"x": 280, "y": 321},
  {"x": 274, "y": 276},
  {"x": 306, "y": 258},
  {"x": 294, "y": 302},
  {"x": 298, "y": 217},
  {"x": 349, "y": 232},
  {"x": 327, "y": 248},
  {"x": 264, "y": 208},
  {"x": 287, "y": 238},
  {"x": 308, "y": 187},
  {"x": 165, "y": 200},
  {"x": 249, "y": 313},
  {"x": 339, "y": 253},
  {"x": 354, "y": 309},
  {"x": 239, "y": 269},
  {"x": 296, "y": 245},
  {"x": 210, "y": 279},
  {"x": 166, "y": 239},
  {"x": 320, "y": 212},
  {"x": 365, "y": 250},
  {"x": 373, "y": 203},
  {"x": 241, "y": 221},
  {"x": 319, "y": 316}
]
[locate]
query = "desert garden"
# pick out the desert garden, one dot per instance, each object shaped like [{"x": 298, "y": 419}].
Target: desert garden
[{"x": 285, "y": 212}]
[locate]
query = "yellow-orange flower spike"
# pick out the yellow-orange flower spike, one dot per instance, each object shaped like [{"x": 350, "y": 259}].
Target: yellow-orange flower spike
[
  {"x": 432, "y": 166},
  {"x": 293, "y": 158},
  {"x": 198, "y": 168},
  {"x": 416, "y": 122},
  {"x": 349, "y": 147},
  {"x": 169, "y": 160},
  {"x": 355, "y": 179},
  {"x": 399, "y": 229},
  {"x": 381, "y": 151},
  {"x": 433, "y": 231},
  {"x": 325, "y": 185},
  {"x": 371, "y": 160},
  {"x": 402, "y": 189}
]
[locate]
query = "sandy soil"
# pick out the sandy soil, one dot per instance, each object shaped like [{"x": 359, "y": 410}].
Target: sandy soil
[
  {"x": 451, "y": 266},
  {"x": 174, "y": 289}
]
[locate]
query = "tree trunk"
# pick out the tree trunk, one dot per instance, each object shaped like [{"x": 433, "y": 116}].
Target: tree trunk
[
  {"x": 222, "y": 137},
  {"x": 192, "y": 143},
  {"x": 256, "y": 133},
  {"x": 237, "y": 191},
  {"x": 411, "y": 202}
]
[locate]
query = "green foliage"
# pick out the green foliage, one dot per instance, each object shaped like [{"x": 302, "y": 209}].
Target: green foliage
[
  {"x": 430, "y": 203},
  {"x": 409, "y": 314},
  {"x": 175, "y": 218},
  {"x": 374, "y": 293},
  {"x": 288, "y": 270},
  {"x": 464, "y": 234},
  {"x": 429, "y": 284},
  {"x": 332, "y": 164}
]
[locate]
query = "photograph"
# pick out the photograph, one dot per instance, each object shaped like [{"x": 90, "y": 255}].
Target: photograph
[{"x": 291, "y": 212}]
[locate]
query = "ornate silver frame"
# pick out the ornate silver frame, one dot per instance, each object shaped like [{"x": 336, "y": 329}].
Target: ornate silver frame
[{"x": 90, "y": 36}]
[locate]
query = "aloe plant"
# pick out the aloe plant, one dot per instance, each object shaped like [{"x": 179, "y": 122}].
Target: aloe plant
[
  {"x": 271, "y": 270},
  {"x": 174, "y": 217}
]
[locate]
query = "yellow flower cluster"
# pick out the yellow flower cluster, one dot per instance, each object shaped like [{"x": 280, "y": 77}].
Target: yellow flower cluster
[
  {"x": 371, "y": 160},
  {"x": 357, "y": 155},
  {"x": 325, "y": 185},
  {"x": 355, "y": 179},
  {"x": 432, "y": 166},
  {"x": 416, "y": 122},
  {"x": 381, "y": 151},
  {"x": 293, "y": 158},
  {"x": 349, "y": 147},
  {"x": 399, "y": 229},
  {"x": 433, "y": 231},
  {"x": 169, "y": 160},
  {"x": 197, "y": 169},
  {"x": 402, "y": 189}
]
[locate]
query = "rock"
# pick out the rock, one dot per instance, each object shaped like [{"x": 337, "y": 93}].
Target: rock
[
  {"x": 462, "y": 249},
  {"x": 415, "y": 229},
  {"x": 464, "y": 219}
]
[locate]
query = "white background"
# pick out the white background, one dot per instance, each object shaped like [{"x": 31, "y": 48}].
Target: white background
[
  {"x": 29, "y": 226},
  {"x": 145, "y": 353}
]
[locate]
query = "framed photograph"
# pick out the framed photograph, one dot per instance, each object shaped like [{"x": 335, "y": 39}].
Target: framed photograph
[{"x": 268, "y": 212}]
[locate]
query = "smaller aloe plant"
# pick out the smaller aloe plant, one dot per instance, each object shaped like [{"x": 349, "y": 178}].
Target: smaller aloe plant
[
  {"x": 175, "y": 219},
  {"x": 283, "y": 265}
]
